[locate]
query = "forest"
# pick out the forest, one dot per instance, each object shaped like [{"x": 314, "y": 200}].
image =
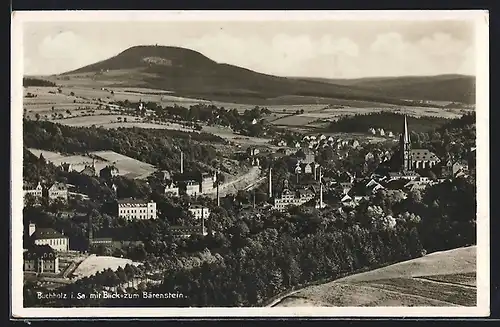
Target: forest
[
  {"x": 27, "y": 81},
  {"x": 159, "y": 147},
  {"x": 388, "y": 121}
]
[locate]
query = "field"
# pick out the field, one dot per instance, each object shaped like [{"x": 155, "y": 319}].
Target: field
[
  {"x": 88, "y": 96},
  {"x": 445, "y": 278},
  {"x": 127, "y": 166},
  {"x": 93, "y": 264},
  {"x": 117, "y": 121}
]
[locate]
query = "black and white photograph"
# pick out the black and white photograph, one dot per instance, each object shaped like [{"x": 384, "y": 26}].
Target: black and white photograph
[{"x": 172, "y": 164}]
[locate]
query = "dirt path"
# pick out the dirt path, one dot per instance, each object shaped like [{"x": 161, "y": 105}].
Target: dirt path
[{"x": 428, "y": 279}]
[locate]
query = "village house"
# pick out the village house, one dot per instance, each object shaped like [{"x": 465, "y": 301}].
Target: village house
[
  {"x": 136, "y": 209},
  {"x": 36, "y": 192},
  {"x": 89, "y": 170},
  {"x": 41, "y": 259},
  {"x": 292, "y": 197},
  {"x": 58, "y": 191},
  {"x": 192, "y": 187},
  {"x": 297, "y": 145},
  {"x": 372, "y": 131},
  {"x": 172, "y": 189},
  {"x": 282, "y": 143},
  {"x": 354, "y": 144},
  {"x": 207, "y": 183},
  {"x": 380, "y": 132},
  {"x": 48, "y": 236},
  {"x": 199, "y": 212}
]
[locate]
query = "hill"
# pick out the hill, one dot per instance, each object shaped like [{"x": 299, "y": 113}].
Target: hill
[
  {"x": 446, "y": 278},
  {"x": 190, "y": 74},
  {"x": 453, "y": 88}
]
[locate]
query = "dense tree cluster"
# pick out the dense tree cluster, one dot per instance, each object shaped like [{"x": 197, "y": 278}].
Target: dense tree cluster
[
  {"x": 209, "y": 114},
  {"x": 27, "y": 81},
  {"x": 158, "y": 147},
  {"x": 389, "y": 121}
]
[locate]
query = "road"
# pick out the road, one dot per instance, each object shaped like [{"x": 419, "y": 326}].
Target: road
[{"x": 251, "y": 177}]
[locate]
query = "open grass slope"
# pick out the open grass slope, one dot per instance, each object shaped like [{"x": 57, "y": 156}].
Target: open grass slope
[
  {"x": 189, "y": 73},
  {"x": 445, "y": 278}
]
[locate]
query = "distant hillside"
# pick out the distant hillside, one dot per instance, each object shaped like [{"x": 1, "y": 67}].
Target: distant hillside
[
  {"x": 456, "y": 88},
  {"x": 191, "y": 74}
]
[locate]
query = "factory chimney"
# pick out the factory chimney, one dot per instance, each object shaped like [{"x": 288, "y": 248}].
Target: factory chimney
[
  {"x": 320, "y": 188},
  {"x": 270, "y": 191},
  {"x": 182, "y": 162}
]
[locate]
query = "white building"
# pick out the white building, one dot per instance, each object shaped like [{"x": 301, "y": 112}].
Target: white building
[
  {"x": 58, "y": 191},
  {"x": 48, "y": 236},
  {"x": 172, "y": 189},
  {"x": 199, "y": 212},
  {"x": 192, "y": 187},
  {"x": 136, "y": 209}
]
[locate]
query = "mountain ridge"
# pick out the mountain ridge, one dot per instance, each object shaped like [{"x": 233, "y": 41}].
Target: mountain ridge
[{"x": 190, "y": 73}]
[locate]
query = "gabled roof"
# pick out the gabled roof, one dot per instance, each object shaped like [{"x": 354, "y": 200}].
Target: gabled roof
[
  {"x": 131, "y": 201},
  {"x": 58, "y": 187},
  {"x": 46, "y": 233}
]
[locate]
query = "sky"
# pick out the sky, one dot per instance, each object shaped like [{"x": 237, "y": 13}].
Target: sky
[{"x": 328, "y": 49}]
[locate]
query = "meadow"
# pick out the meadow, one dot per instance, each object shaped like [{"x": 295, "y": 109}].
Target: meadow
[
  {"x": 127, "y": 166},
  {"x": 446, "y": 278}
]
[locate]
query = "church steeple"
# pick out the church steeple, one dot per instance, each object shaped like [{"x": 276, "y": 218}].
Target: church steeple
[{"x": 405, "y": 148}]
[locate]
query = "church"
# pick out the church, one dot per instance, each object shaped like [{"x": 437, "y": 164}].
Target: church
[{"x": 406, "y": 161}]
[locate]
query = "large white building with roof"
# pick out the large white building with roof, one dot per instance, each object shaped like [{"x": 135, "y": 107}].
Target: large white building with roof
[
  {"x": 136, "y": 209},
  {"x": 48, "y": 236}
]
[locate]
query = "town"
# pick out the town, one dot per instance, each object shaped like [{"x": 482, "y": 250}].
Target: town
[
  {"x": 310, "y": 172},
  {"x": 160, "y": 177}
]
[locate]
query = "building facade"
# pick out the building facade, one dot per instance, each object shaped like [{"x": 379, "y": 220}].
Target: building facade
[
  {"x": 48, "y": 236},
  {"x": 58, "y": 191},
  {"x": 199, "y": 212},
  {"x": 41, "y": 259},
  {"x": 136, "y": 209},
  {"x": 292, "y": 198},
  {"x": 172, "y": 189}
]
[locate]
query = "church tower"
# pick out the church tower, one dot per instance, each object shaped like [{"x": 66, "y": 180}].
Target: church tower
[{"x": 405, "y": 149}]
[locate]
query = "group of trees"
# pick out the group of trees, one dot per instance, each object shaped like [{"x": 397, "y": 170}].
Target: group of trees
[
  {"x": 27, "y": 81},
  {"x": 209, "y": 114},
  {"x": 388, "y": 121},
  {"x": 159, "y": 147}
]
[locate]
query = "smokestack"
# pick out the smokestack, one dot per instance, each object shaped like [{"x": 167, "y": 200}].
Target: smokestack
[
  {"x": 91, "y": 232},
  {"x": 203, "y": 220},
  {"x": 254, "y": 198},
  {"x": 182, "y": 162},
  {"x": 320, "y": 189},
  {"x": 218, "y": 195},
  {"x": 270, "y": 191}
]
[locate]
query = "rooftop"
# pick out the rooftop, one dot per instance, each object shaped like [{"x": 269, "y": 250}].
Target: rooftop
[
  {"x": 37, "y": 251},
  {"x": 46, "y": 233}
]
